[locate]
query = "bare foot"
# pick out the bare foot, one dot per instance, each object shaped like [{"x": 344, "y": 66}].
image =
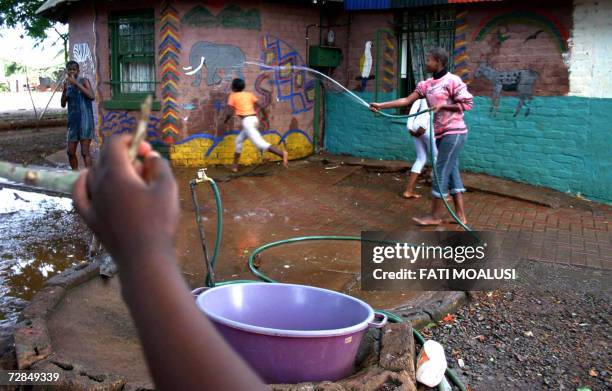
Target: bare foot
[
  {"x": 427, "y": 220},
  {"x": 234, "y": 168},
  {"x": 453, "y": 221},
  {"x": 408, "y": 194},
  {"x": 285, "y": 159}
]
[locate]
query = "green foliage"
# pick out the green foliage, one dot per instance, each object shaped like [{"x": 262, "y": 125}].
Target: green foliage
[
  {"x": 22, "y": 13},
  {"x": 12, "y": 68},
  {"x": 14, "y": 13},
  {"x": 4, "y": 87}
]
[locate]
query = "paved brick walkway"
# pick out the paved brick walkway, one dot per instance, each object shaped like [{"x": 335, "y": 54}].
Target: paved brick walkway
[
  {"x": 577, "y": 235},
  {"x": 333, "y": 199}
]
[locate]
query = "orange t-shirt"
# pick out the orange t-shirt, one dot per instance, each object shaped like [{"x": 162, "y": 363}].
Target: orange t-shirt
[{"x": 243, "y": 103}]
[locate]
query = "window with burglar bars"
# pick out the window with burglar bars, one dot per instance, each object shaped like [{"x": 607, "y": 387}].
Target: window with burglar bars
[
  {"x": 132, "y": 47},
  {"x": 420, "y": 30}
]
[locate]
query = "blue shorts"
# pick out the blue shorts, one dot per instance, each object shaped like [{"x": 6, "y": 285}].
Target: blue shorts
[{"x": 78, "y": 133}]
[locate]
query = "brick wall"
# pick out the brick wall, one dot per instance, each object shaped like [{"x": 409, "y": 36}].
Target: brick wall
[
  {"x": 245, "y": 31},
  {"x": 363, "y": 28},
  {"x": 350, "y": 128},
  {"x": 520, "y": 37},
  {"x": 561, "y": 142},
  {"x": 562, "y": 145}
]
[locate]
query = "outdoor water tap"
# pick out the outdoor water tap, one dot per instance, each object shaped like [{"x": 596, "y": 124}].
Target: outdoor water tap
[{"x": 200, "y": 177}]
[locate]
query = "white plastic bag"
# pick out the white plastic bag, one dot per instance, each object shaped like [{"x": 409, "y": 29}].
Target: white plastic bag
[
  {"x": 431, "y": 364},
  {"x": 420, "y": 121}
]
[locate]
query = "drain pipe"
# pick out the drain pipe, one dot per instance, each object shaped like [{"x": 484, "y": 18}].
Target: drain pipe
[{"x": 308, "y": 41}]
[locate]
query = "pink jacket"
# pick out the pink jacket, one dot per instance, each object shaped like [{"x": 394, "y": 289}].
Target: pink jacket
[{"x": 449, "y": 89}]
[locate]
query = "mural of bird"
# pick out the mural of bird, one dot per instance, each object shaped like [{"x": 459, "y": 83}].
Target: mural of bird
[
  {"x": 365, "y": 64},
  {"x": 534, "y": 35}
]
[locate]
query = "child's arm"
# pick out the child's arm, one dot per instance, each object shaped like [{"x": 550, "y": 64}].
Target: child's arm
[
  {"x": 85, "y": 87},
  {"x": 89, "y": 92},
  {"x": 461, "y": 96},
  {"x": 448, "y": 107},
  {"x": 229, "y": 114},
  {"x": 64, "y": 97},
  {"x": 229, "y": 108},
  {"x": 134, "y": 211},
  {"x": 407, "y": 101}
]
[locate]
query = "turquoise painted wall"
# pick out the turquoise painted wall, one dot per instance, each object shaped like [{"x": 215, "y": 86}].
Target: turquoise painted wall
[{"x": 565, "y": 142}]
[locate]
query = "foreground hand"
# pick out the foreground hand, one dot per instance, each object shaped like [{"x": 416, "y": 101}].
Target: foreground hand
[
  {"x": 375, "y": 107},
  {"x": 132, "y": 208}
]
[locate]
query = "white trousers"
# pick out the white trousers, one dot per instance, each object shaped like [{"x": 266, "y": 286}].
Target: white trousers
[
  {"x": 422, "y": 152},
  {"x": 250, "y": 131}
]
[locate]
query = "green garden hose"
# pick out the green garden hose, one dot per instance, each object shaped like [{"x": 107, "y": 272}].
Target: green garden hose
[{"x": 210, "y": 265}]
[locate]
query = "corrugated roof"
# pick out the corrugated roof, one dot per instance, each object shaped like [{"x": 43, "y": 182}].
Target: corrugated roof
[
  {"x": 55, "y": 9},
  {"x": 389, "y": 4}
]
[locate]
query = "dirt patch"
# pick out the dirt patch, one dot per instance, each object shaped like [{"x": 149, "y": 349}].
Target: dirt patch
[
  {"x": 31, "y": 146},
  {"x": 552, "y": 331},
  {"x": 100, "y": 336}
]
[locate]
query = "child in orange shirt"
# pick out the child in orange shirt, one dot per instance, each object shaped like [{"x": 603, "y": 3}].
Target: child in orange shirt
[{"x": 243, "y": 104}]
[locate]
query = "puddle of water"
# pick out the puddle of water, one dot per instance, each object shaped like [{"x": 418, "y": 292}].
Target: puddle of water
[{"x": 40, "y": 236}]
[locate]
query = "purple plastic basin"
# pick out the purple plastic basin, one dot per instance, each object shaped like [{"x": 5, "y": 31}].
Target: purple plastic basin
[{"x": 290, "y": 333}]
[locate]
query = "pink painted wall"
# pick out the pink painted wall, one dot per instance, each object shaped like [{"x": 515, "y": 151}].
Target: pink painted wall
[{"x": 199, "y": 107}]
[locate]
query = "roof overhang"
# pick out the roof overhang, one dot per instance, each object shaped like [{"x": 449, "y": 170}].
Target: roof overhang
[{"x": 56, "y": 9}]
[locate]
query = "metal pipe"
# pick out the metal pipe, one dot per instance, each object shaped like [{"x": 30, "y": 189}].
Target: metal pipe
[
  {"x": 308, "y": 41},
  {"x": 210, "y": 272},
  {"x": 63, "y": 77}
]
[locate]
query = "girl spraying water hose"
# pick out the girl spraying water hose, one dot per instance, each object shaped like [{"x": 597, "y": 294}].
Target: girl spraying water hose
[{"x": 448, "y": 97}]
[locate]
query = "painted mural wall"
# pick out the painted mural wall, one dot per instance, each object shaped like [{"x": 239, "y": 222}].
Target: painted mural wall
[
  {"x": 200, "y": 49},
  {"x": 270, "y": 35},
  {"x": 369, "y": 53},
  {"x": 83, "y": 50},
  {"x": 523, "y": 63}
]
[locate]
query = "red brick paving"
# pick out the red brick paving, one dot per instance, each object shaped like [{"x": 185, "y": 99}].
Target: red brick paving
[{"x": 347, "y": 200}]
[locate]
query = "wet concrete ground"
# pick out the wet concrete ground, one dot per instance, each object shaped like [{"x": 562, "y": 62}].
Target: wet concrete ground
[
  {"x": 275, "y": 204},
  {"x": 40, "y": 238},
  {"x": 92, "y": 324}
]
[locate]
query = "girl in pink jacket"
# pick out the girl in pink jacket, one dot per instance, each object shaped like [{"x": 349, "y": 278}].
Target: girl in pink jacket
[{"x": 448, "y": 97}]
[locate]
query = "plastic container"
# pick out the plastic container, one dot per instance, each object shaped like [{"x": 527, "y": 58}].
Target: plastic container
[
  {"x": 431, "y": 364},
  {"x": 290, "y": 333}
]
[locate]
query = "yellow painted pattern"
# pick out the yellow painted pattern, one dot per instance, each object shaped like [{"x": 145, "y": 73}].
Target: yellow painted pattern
[{"x": 193, "y": 152}]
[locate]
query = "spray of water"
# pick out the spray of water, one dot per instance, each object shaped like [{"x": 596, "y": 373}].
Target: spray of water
[
  {"x": 314, "y": 71},
  {"x": 327, "y": 78}
]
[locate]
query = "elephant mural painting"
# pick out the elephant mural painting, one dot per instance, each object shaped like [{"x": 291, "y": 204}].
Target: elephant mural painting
[{"x": 215, "y": 57}]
